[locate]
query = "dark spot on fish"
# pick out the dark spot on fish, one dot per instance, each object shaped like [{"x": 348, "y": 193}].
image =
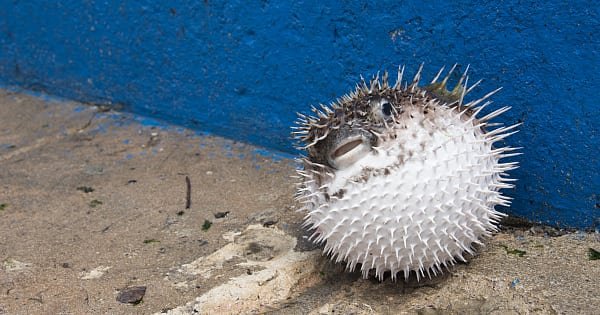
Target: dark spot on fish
[
  {"x": 365, "y": 174},
  {"x": 339, "y": 194}
]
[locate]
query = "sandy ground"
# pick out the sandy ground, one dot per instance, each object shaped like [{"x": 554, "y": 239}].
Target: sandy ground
[{"x": 93, "y": 202}]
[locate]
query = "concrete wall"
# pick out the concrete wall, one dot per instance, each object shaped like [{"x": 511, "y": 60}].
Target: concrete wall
[{"x": 242, "y": 68}]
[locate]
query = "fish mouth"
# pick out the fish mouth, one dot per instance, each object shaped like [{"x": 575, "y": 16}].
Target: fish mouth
[
  {"x": 346, "y": 147},
  {"x": 349, "y": 151}
]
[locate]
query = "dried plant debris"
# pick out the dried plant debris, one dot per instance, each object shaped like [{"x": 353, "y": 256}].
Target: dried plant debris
[
  {"x": 94, "y": 203},
  {"x": 206, "y": 225},
  {"x": 151, "y": 240},
  {"x": 593, "y": 254},
  {"x": 188, "y": 192},
  {"x": 3, "y": 206},
  {"x": 514, "y": 251}
]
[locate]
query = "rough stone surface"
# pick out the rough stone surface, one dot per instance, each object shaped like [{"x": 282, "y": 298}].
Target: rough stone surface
[
  {"x": 51, "y": 237},
  {"x": 132, "y": 295}
]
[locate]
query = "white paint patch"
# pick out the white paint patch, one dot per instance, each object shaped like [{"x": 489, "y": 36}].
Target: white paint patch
[
  {"x": 95, "y": 273},
  {"x": 230, "y": 236},
  {"x": 206, "y": 265},
  {"x": 11, "y": 265},
  {"x": 267, "y": 248}
]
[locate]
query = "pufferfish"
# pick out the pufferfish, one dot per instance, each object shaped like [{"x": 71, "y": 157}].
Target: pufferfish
[{"x": 403, "y": 178}]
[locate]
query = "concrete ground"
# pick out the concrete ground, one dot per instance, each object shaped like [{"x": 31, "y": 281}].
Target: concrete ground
[{"x": 94, "y": 202}]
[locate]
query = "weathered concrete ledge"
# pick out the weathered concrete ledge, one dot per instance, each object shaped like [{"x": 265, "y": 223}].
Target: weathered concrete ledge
[{"x": 93, "y": 202}]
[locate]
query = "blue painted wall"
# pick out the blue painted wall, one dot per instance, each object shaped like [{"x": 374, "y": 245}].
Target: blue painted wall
[{"x": 242, "y": 68}]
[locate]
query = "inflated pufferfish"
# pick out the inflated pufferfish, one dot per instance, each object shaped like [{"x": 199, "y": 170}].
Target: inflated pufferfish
[{"x": 403, "y": 178}]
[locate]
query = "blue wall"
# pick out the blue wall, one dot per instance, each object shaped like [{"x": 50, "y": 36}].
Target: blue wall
[{"x": 242, "y": 68}]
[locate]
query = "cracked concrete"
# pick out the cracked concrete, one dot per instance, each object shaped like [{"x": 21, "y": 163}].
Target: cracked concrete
[{"x": 93, "y": 202}]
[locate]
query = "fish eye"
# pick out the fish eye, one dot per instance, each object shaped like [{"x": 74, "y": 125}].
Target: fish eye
[
  {"x": 381, "y": 110},
  {"x": 386, "y": 108}
]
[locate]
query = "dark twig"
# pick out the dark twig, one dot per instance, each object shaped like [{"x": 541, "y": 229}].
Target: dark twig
[
  {"x": 87, "y": 124},
  {"x": 188, "y": 194}
]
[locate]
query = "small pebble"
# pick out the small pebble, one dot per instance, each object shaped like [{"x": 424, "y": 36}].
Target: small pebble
[
  {"x": 514, "y": 283},
  {"x": 85, "y": 189},
  {"x": 220, "y": 215},
  {"x": 269, "y": 223},
  {"x": 132, "y": 295}
]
